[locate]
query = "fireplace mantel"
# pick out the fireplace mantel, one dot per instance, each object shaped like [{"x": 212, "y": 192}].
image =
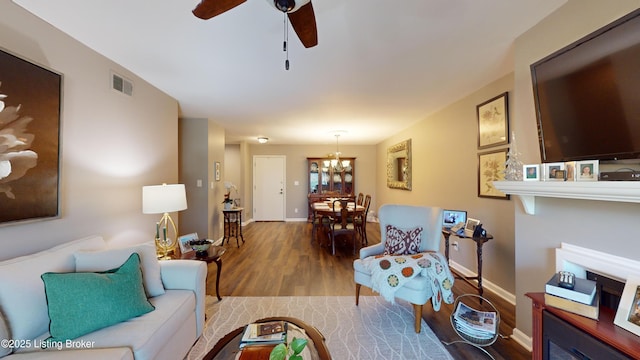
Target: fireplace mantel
[{"x": 527, "y": 191}]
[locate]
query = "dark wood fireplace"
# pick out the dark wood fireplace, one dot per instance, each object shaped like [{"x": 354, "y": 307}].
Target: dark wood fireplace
[{"x": 560, "y": 335}]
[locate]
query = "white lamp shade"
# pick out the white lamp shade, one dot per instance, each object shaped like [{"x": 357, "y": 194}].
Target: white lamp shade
[{"x": 160, "y": 199}]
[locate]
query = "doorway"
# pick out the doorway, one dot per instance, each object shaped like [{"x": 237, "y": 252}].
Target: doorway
[{"x": 269, "y": 187}]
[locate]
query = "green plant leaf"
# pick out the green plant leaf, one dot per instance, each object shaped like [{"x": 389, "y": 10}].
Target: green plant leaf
[
  {"x": 297, "y": 345},
  {"x": 278, "y": 353},
  {"x": 295, "y": 357}
]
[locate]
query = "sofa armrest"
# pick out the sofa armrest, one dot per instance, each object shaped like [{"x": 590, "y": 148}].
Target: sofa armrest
[
  {"x": 187, "y": 275},
  {"x": 376, "y": 249}
]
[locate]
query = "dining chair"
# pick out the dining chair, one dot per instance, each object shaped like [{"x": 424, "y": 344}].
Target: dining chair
[
  {"x": 361, "y": 220},
  {"x": 360, "y": 199},
  {"x": 341, "y": 223}
]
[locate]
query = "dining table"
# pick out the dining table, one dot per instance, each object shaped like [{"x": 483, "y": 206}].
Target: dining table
[{"x": 325, "y": 209}]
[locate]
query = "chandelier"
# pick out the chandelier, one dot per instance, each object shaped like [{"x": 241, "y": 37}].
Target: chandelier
[{"x": 337, "y": 164}]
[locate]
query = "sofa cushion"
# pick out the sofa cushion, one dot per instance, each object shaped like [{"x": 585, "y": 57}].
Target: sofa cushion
[
  {"x": 22, "y": 298},
  {"x": 402, "y": 241},
  {"x": 147, "y": 335},
  {"x": 83, "y": 302},
  {"x": 112, "y": 258}
]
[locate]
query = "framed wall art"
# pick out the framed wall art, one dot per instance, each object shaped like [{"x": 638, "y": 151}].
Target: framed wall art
[
  {"x": 493, "y": 122},
  {"x": 216, "y": 170},
  {"x": 30, "y": 111},
  {"x": 491, "y": 166},
  {"x": 628, "y": 313}
]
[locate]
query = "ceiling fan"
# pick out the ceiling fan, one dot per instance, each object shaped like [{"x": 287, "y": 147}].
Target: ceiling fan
[{"x": 299, "y": 12}]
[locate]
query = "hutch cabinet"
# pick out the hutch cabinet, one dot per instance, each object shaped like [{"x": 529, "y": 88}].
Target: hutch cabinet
[{"x": 326, "y": 181}]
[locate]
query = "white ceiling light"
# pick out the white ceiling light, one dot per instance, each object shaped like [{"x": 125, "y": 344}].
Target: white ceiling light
[{"x": 263, "y": 140}]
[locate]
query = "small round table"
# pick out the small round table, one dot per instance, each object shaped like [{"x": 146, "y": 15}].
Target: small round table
[{"x": 213, "y": 255}]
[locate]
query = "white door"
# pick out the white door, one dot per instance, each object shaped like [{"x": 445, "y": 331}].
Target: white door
[{"x": 269, "y": 188}]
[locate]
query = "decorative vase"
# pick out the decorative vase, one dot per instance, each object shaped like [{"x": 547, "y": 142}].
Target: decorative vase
[{"x": 228, "y": 205}]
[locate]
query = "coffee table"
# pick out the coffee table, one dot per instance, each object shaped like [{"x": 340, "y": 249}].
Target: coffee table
[
  {"x": 213, "y": 255},
  {"x": 228, "y": 347}
]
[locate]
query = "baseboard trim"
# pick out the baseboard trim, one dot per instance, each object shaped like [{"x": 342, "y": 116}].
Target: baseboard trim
[
  {"x": 523, "y": 339},
  {"x": 507, "y": 296}
]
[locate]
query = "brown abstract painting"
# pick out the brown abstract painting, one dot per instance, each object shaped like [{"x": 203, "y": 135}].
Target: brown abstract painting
[{"x": 30, "y": 103}]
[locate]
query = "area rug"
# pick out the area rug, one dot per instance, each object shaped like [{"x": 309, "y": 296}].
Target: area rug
[{"x": 376, "y": 329}]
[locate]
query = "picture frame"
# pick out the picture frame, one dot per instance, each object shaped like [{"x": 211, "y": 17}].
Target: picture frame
[
  {"x": 31, "y": 98},
  {"x": 531, "y": 172},
  {"x": 628, "y": 313},
  {"x": 554, "y": 171},
  {"x": 493, "y": 121},
  {"x": 470, "y": 226},
  {"x": 217, "y": 170},
  {"x": 587, "y": 170},
  {"x": 570, "y": 168},
  {"x": 183, "y": 241},
  {"x": 491, "y": 167}
]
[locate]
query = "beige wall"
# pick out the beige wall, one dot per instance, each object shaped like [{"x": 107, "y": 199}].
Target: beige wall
[
  {"x": 445, "y": 174},
  {"x": 111, "y": 144},
  {"x": 603, "y": 226},
  {"x": 201, "y": 146},
  {"x": 296, "y": 195}
]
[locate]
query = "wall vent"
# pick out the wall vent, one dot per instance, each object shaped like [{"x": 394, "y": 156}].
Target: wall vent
[{"x": 121, "y": 84}]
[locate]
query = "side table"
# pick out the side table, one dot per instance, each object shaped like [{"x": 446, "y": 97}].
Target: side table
[
  {"x": 233, "y": 224},
  {"x": 479, "y": 242},
  {"x": 213, "y": 255}
]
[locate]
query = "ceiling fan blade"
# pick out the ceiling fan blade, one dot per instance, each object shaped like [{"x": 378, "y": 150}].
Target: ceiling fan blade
[
  {"x": 303, "y": 22},
  {"x": 210, "y": 8}
]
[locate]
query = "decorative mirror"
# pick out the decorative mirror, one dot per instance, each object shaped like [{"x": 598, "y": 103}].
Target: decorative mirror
[{"x": 399, "y": 166}]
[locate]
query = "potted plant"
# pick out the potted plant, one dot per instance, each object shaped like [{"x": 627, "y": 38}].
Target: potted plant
[
  {"x": 290, "y": 352},
  {"x": 228, "y": 201}
]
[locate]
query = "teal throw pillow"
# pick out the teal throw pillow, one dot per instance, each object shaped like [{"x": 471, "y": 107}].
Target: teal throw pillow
[{"x": 82, "y": 302}]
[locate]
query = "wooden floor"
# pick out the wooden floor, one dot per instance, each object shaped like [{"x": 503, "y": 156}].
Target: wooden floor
[{"x": 279, "y": 259}]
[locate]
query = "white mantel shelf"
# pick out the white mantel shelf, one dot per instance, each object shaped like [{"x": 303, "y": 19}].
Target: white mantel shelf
[{"x": 527, "y": 191}]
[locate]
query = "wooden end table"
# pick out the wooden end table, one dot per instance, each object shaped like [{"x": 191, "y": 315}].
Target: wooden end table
[
  {"x": 479, "y": 242},
  {"x": 213, "y": 255}
]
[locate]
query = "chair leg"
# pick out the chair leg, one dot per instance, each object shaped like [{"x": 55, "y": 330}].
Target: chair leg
[
  {"x": 417, "y": 311},
  {"x": 357, "y": 293}
]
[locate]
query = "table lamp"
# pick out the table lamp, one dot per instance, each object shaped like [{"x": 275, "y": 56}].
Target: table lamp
[{"x": 163, "y": 199}]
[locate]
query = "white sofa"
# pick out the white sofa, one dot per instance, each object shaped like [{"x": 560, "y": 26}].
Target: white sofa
[{"x": 176, "y": 288}]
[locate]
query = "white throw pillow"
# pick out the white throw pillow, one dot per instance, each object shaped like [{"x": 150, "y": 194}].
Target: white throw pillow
[{"x": 113, "y": 258}]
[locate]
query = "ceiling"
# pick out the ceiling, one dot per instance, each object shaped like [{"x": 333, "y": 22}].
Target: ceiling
[{"x": 379, "y": 66}]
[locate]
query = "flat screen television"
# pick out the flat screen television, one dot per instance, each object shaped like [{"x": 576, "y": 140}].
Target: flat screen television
[{"x": 587, "y": 96}]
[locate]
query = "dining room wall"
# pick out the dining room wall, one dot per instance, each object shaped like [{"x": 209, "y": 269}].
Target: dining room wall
[{"x": 297, "y": 170}]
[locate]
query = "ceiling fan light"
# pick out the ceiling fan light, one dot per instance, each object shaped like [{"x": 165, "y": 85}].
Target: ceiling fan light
[
  {"x": 284, "y": 5},
  {"x": 288, "y": 6}
]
